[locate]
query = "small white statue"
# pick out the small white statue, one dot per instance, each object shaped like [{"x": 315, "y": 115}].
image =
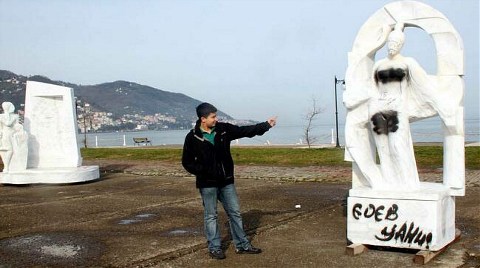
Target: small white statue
[{"x": 13, "y": 140}]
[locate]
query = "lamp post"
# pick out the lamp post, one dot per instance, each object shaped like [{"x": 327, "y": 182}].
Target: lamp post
[
  {"x": 84, "y": 126},
  {"x": 337, "y": 81},
  {"x": 84, "y": 113}
]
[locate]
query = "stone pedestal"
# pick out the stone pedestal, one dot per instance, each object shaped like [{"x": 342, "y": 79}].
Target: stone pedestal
[
  {"x": 51, "y": 175},
  {"x": 423, "y": 219}
]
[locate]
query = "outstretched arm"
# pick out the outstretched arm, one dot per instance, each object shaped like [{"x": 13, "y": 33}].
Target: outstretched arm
[
  {"x": 379, "y": 42},
  {"x": 237, "y": 132}
]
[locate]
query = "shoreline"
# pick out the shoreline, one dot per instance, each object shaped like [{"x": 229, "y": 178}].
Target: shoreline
[{"x": 294, "y": 146}]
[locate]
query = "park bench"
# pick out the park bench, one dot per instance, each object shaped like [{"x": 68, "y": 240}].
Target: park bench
[{"x": 138, "y": 141}]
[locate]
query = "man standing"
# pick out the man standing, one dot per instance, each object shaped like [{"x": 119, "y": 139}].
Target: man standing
[{"x": 206, "y": 154}]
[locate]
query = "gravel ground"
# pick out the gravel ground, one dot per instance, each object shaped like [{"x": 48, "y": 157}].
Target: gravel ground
[{"x": 149, "y": 214}]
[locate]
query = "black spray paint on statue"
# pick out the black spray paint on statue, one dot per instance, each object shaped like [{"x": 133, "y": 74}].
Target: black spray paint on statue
[
  {"x": 402, "y": 235},
  {"x": 405, "y": 234},
  {"x": 385, "y": 122},
  {"x": 371, "y": 211}
]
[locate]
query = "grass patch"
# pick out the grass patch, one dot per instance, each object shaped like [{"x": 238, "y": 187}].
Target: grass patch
[
  {"x": 432, "y": 157},
  {"x": 290, "y": 156},
  {"x": 426, "y": 156},
  {"x": 160, "y": 154},
  {"x": 472, "y": 157}
]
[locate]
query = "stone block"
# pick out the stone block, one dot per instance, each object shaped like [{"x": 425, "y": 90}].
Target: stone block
[
  {"x": 423, "y": 219},
  {"x": 50, "y": 120}
]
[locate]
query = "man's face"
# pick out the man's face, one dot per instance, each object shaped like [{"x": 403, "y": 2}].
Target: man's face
[{"x": 211, "y": 120}]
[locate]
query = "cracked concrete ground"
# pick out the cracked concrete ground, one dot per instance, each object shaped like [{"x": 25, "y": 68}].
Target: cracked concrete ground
[{"x": 149, "y": 214}]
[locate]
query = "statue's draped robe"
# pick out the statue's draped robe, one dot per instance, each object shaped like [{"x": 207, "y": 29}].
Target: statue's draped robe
[{"x": 426, "y": 96}]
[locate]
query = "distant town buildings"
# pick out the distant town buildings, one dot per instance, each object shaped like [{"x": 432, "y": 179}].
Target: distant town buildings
[
  {"x": 14, "y": 81},
  {"x": 95, "y": 121}
]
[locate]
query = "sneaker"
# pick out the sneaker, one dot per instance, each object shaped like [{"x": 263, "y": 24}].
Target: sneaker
[
  {"x": 217, "y": 254},
  {"x": 248, "y": 250}
]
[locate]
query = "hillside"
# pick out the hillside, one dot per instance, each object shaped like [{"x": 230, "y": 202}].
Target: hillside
[{"x": 120, "y": 98}]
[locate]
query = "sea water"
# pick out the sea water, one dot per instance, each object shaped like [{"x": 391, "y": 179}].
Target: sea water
[{"x": 429, "y": 130}]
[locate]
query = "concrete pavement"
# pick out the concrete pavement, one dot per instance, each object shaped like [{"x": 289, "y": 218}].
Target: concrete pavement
[{"x": 126, "y": 220}]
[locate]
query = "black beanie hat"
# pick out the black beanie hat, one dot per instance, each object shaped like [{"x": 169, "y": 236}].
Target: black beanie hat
[{"x": 204, "y": 109}]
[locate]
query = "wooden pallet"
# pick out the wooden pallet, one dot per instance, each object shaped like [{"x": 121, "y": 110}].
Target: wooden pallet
[
  {"x": 424, "y": 256},
  {"x": 355, "y": 249},
  {"x": 421, "y": 257}
]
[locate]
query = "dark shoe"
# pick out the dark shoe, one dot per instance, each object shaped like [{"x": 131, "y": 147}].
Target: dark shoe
[
  {"x": 249, "y": 250},
  {"x": 217, "y": 254}
]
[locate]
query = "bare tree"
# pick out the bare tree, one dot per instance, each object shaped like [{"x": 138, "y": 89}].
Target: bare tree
[{"x": 310, "y": 117}]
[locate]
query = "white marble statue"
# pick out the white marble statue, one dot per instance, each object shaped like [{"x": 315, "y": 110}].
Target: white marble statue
[
  {"x": 50, "y": 119},
  {"x": 388, "y": 204},
  {"x": 383, "y": 97},
  {"x": 50, "y": 152},
  {"x": 13, "y": 140}
]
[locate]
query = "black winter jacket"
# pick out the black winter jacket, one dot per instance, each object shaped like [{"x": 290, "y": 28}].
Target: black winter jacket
[{"x": 213, "y": 164}]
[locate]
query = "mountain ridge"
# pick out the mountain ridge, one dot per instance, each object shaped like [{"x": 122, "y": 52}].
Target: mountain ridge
[{"x": 120, "y": 98}]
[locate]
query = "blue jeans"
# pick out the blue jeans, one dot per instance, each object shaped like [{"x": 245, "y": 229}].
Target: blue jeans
[{"x": 228, "y": 197}]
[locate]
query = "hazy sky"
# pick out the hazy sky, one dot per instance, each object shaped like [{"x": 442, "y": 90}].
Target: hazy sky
[{"x": 252, "y": 59}]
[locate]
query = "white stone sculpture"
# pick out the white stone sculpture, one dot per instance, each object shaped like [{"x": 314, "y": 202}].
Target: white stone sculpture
[
  {"x": 13, "y": 140},
  {"x": 53, "y": 152},
  {"x": 388, "y": 204},
  {"x": 50, "y": 119}
]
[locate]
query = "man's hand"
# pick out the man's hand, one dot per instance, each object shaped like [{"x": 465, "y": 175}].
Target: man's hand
[{"x": 272, "y": 121}]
